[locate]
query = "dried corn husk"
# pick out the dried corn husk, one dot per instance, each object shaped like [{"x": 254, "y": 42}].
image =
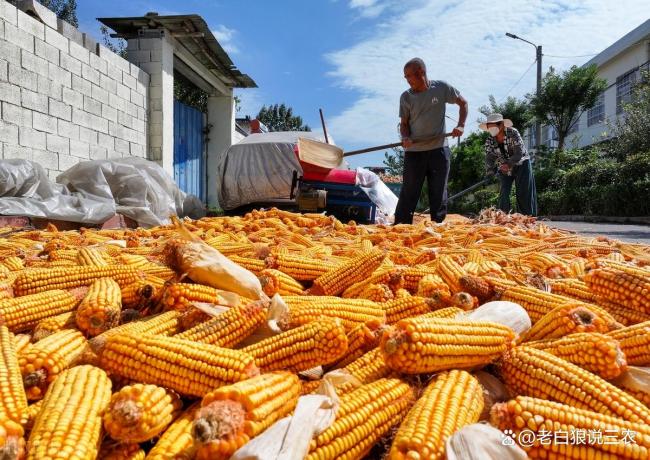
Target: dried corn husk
[{"x": 481, "y": 441}]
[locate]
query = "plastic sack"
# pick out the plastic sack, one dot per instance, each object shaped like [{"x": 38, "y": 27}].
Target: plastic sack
[
  {"x": 140, "y": 189},
  {"x": 203, "y": 264},
  {"x": 480, "y": 441},
  {"x": 377, "y": 191},
  {"x": 509, "y": 314},
  {"x": 26, "y": 190}
]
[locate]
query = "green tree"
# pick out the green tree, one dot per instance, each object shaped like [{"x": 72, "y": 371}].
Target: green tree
[
  {"x": 279, "y": 117},
  {"x": 64, "y": 9},
  {"x": 394, "y": 162},
  {"x": 517, "y": 110},
  {"x": 116, "y": 45},
  {"x": 564, "y": 97},
  {"x": 631, "y": 133},
  {"x": 467, "y": 165}
]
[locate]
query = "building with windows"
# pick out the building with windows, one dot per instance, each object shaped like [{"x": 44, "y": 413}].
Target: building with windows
[{"x": 621, "y": 64}]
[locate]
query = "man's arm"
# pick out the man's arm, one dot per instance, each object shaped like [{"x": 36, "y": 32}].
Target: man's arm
[
  {"x": 405, "y": 132},
  {"x": 461, "y": 102},
  {"x": 518, "y": 149}
]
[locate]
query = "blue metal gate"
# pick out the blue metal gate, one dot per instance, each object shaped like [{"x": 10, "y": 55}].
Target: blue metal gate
[{"x": 189, "y": 165}]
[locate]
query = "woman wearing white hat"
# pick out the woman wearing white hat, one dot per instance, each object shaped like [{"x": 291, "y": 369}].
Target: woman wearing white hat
[{"x": 506, "y": 154}]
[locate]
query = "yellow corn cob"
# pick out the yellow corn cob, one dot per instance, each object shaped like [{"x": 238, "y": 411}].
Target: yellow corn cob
[
  {"x": 625, "y": 316},
  {"x": 451, "y": 272},
  {"x": 547, "y": 265},
  {"x": 597, "y": 353},
  {"x": 631, "y": 290},
  {"x": 42, "y": 363},
  {"x": 351, "y": 312},
  {"x": 412, "y": 275},
  {"x": 564, "y": 320},
  {"x": 317, "y": 343},
  {"x": 13, "y": 263},
  {"x": 143, "y": 294},
  {"x": 364, "y": 416},
  {"x": 643, "y": 272},
  {"x": 139, "y": 412},
  {"x": 447, "y": 312},
  {"x": 54, "y": 324},
  {"x": 69, "y": 424},
  {"x": 24, "y": 313},
  {"x": 22, "y": 342},
  {"x": 433, "y": 286},
  {"x": 422, "y": 345},
  {"x": 578, "y": 267},
  {"x": 100, "y": 310},
  {"x": 35, "y": 281},
  {"x": 32, "y": 412},
  {"x": 336, "y": 280},
  {"x": 176, "y": 443},
  {"x": 477, "y": 286},
  {"x": 537, "y": 416},
  {"x": 451, "y": 401},
  {"x": 91, "y": 257},
  {"x": 275, "y": 282},
  {"x": 536, "y": 302},
  {"x": 377, "y": 293},
  {"x": 178, "y": 296},
  {"x": 232, "y": 415},
  {"x": 390, "y": 276},
  {"x": 62, "y": 254},
  {"x": 229, "y": 328},
  {"x": 12, "y": 441},
  {"x": 361, "y": 339},
  {"x": 112, "y": 451},
  {"x": 298, "y": 267},
  {"x": 13, "y": 400},
  {"x": 530, "y": 372},
  {"x": 365, "y": 369},
  {"x": 398, "y": 309},
  {"x": 472, "y": 268},
  {"x": 574, "y": 288},
  {"x": 189, "y": 368},
  {"x": 635, "y": 343},
  {"x": 253, "y": 265}
]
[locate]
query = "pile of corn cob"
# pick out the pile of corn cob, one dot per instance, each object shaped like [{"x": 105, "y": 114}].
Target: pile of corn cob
[{"x": 103, "y": 354}]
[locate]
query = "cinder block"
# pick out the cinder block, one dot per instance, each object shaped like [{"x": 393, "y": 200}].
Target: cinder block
[
  {"x": 88, "y": 120},
  {"x": 67, "y": 161},
  {"x": 79, "y": 149},
  {"x": 17, "y": 151},
  {"x": 60, "y": 110},
  {"x": 21, "y": 77},
  {"x": 143, "y": 79},
  {"x": 155, "y": 92},
  {"x": 132, "y": 135},
  {"x": 70, "y": 64},
  {"x": 139, "y": 125},
  {"x": 98, "y": 152},
  {"x": 73, "y": 98},
  {"x": 125, "y": 119},
  {"x": 154, "y": 105},
  {"x": 53, "y": 174},
  {"x": 60, "y": 76},
  {"x": 116, "y": 102},
  {"x": 4, "y": 70},
  {"x": 11, "y": 52},
  {"x": 9, "y": 93},
  {"x": 54, "y": 38},
  {"x": 33, "y": 63},
  {"x": 89, "y": 43},
  {"x": 99, "y": 64},
  {"x": 17, "y": 115},
  {"x": 155, "y": 154},
  {"x": 8, "y": 13},
  {"x": 90, "y": 74},
  {"x": 155, "y": 131},
  {"x": 99, "y": 94},
  {"x": 77, "y": 51},
  {"x": 136, "y": 150},
  {"x": 88, "y": 136},
  {"x": 124, "y": 92},
  {"x": 107, "y": 141},
  {"x": 129, "y": 81},
  {"x": 152, "y": 68},
  {"x": 46, "y": 51},
  {"x": 92, "y": 106},
  {"x": 137, "y": 99},
  {"x": 19, "y": 37},
  {"x": 31, "y": 25},
  {"x": 156, "y": 118},
  {"x": 150, "y": 43},
  {"x": 8, "y": 133},
  {"x": 32, "y": 100},
  {"x": 109, "y": 113},
  {"x": 142, "y": 114},
  {"x": 70, "y": 32},
  {"x": 49, "y": 160},
  {"x": 49, "y": 88},
  {"x": 116, "y": 130},
  {"x": 58, "y": 144},
  {"x": 114, "y": 72},
  {"x": 32, "y": 138},
  {"x": 139, "y": 56},
  {"x": 121, "y": 146},
  {"x": 81, "y": 85},
  {"x": 67, "y": 129},
  {"x": 45, "y": 123},
  {"x": 43, "y": 14},
  {"x": 107, "y": 83},
  {"x": 135, "y": 70}
]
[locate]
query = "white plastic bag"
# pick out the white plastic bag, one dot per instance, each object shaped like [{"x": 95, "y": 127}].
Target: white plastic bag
[
  {"x": 509, "y": 314},
  {"x": 377, "y": 191},
  {"x": 480, "y": 441}
]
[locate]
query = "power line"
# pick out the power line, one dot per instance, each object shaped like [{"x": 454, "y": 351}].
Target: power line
[
  {"x": 571, "y": 57},
  {"x": 518, "y": 81}
]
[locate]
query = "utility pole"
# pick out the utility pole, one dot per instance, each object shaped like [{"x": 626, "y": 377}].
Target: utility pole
[{"x": 538, "y": 58}]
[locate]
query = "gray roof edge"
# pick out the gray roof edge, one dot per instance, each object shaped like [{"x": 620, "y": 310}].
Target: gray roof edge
[{"x": 634, "y": 36}]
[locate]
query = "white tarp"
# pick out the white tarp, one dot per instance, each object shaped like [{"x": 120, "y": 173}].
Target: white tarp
[{"x": 259, "y": 168}]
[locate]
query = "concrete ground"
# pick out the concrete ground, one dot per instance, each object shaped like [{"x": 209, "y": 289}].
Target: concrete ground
[{"x": 624, "y": 232}]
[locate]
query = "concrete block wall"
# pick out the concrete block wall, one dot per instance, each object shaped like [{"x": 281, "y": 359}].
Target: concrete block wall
[{"x": 65, "y": 98}]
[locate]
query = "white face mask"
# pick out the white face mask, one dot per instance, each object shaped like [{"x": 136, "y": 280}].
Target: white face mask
[{"x": 493, "y": 130}]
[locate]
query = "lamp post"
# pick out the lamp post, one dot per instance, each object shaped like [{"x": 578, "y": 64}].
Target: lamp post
[{"x": 538, "y": 57}]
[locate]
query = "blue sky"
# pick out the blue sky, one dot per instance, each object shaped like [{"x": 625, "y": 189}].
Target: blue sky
[{"x": 346, "y": 56}]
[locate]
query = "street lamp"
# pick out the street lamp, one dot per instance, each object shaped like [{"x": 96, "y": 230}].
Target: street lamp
[{"x": 538, "y": 57}]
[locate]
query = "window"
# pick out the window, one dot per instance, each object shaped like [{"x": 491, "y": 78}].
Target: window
[
  {"x": 596, "y": 114},
  {"x": 624, "y": 86}
]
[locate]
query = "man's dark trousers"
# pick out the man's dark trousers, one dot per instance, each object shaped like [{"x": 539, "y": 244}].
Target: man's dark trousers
[
  {"x": 524, "y": 179},
  {"x": 432, "y": 165}
]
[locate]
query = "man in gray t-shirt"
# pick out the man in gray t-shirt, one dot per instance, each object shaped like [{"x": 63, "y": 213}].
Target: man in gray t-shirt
[{"x": 422, "y": 126}]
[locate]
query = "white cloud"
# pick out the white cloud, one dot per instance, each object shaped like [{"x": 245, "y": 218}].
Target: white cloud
[
  {"x": 463, "y": 42},
  {"x": 368, "y": 8},
  {"x": 251, "y": 101},
  {"x": 225, "y": 37}
]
